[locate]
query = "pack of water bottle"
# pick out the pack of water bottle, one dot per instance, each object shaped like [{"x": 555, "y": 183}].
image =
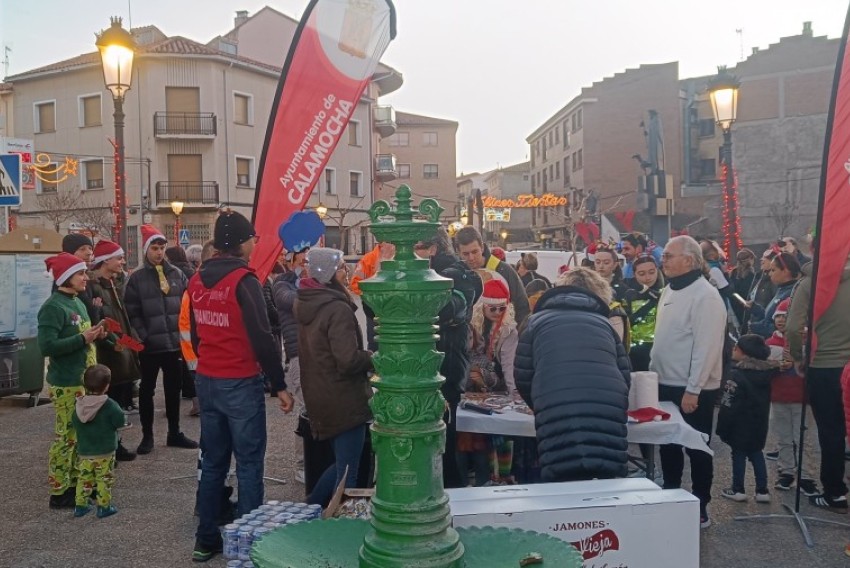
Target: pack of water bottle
[{"x": 242, "y": 533}]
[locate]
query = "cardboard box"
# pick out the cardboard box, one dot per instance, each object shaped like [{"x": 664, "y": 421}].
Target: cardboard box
[
  {"x": 596, "y": 486},
  {"x": 626, "y": 529}
]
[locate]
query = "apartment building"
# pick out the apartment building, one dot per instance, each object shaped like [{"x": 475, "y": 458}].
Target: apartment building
[
  {"x": 598, "y": 140},
  {"x": 777, "y": 141},
  {"x": 424, "y": 150},
  {"x": 195, "y": 126},
  {"x": 507, "y": 184},
  {"x": 591, "y": 142}
]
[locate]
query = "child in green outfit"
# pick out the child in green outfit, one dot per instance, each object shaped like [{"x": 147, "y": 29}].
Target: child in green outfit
[
  {"x": 97, "y": 419},
  {"x": 66, "y": 336}
]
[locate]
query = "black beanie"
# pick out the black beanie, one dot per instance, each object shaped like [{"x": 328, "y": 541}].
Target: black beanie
[
  {"x": 231, "y": 230},
  {"x": 73, "y": 242},
  {"x": 754, "y": 346}
]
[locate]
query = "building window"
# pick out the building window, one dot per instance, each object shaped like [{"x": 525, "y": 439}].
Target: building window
[
  {"x": 93, "y": 174},
  {"x": 330, "y": 181},
  {"x": 524, "y": 177},
  {"x": 355, "y": 183},
  {"x": 706, "y": 127},
  {"x": 403, "y": 171},
  {"x": 429, "y": 138},
  {"x": 557, "y": 135},
  {"x": 227, "y": 47},
  {"x": 244, "y": 171},
  {"x": 354, "y": 133},
  {"x": 708, "y": 168},
  {"x": 580, "y": 159},
  {"x": 399, "y": 139},
  {"x": 557, "y": 170},
  {"x": 243, "y": 108},
  {"x": 47, "y": 182},
  {"x": 573, "y": 157},
  {"x": 90, "y": 113},
  {"x": 44, "y": 117},
  {"x": 430, "y": 171}
]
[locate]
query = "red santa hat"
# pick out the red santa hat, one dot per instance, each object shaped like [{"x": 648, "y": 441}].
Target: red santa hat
[
  {"x": 496, "y": 293},
  {"x": 782, "y": 308},
  {"x": 499, "y": 253},
  {"x": 63, "y": 266},
  {"x": 106, "y": 249},
  {"x": 149, "y": 235}
]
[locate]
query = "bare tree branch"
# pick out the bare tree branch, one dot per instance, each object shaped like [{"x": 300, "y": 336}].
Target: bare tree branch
[
  {"x": 339, "y": 216},
  {"x": 97, "y": 218},
  {"x": 60, "y": 204}
]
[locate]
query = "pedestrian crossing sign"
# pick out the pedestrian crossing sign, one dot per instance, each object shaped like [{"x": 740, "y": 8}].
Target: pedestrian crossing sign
[
  {"x": 184, "y": 237},
  {"x": 10, "y": 180}
]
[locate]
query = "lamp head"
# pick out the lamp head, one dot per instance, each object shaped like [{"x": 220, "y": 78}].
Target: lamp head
[
  {"x": 177, "y": 207},
  {"x": 117, "y": 50},
  {"x": 723, "y": 91}
]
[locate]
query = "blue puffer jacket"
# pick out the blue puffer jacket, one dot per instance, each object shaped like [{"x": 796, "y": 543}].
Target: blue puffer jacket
[
  {"x": 573, "y": 371},
  {"x": 761, "y": 319},
  {"x": 154, "y": 315}
]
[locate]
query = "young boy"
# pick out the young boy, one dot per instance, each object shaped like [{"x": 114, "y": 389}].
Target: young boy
[
  {"x": 97, "y": 420},
  {"x": 743, "y": 417}
]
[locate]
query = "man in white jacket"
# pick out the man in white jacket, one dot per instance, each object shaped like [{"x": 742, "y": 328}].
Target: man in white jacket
[{"x": 688, "y": 357}]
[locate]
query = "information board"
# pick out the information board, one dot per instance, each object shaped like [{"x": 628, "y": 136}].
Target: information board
[{"x": 25, "y": 275}]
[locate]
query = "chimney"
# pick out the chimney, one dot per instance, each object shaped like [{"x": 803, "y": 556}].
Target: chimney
[
  {"x": 755, "y": 50},
  {"x": 241, "y": 18},
  {"x": 807, "y": 29}
]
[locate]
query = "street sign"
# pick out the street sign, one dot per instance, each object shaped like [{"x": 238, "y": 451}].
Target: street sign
[
  {"x": 26, "y": 149},
  {"x": 184, "y": 237},
  {"x": 10, "y": 180}
]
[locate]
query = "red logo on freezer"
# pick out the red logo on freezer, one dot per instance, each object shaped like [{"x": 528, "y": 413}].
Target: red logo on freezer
[{"x": 598, "y": 544}]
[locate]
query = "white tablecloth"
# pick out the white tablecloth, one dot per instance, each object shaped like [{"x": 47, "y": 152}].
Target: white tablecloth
[{"x": 672, "y": 431}]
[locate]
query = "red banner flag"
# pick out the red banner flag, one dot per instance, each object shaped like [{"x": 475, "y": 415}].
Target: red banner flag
[
  {"x": 333, "y": 55},
  {"x": 832, "y": 240}
]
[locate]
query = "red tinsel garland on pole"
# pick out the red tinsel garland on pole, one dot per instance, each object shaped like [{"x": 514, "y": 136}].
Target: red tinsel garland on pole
[
  {"x": 116, "y": 206},
  {"x": 731, "y": 231}
]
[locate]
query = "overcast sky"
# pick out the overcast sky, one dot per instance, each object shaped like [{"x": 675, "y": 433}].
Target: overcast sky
[{"x": 498, "y": 67}]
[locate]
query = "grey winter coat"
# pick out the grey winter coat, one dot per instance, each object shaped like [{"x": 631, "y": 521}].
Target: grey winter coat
[{"x": 284, "y": 292}]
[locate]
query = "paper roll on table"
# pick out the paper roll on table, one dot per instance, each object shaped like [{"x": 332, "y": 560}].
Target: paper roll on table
[{"x": 644, "y": 390}]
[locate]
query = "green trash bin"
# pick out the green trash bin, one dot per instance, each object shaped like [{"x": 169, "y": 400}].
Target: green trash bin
[
  {"x": 9, "y": 372},
  {"x": 31, "y": 365}
]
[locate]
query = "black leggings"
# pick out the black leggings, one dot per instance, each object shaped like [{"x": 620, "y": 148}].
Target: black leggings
[{"x": 172, "y": 379}]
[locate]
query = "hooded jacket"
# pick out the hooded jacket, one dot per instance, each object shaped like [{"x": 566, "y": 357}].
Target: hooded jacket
[
  {"x": 249, "y": 297},
  {"x": 745, "y": 405},
  {"x": 333, "y": 361},
  {"x": 833, "y": 331},
  {"x": 154, "y": 315},
  {"x": 97, "y": 419},
  {"x": 572, "y": 370},
  {"x": 761, "y": 320}
]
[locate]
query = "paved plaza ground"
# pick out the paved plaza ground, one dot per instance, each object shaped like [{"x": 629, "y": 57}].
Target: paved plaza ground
[{"x": 154, "y": 494}]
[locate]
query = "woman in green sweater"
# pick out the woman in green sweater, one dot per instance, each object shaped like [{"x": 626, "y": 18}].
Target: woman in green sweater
[{"x": 65, "y": 335}]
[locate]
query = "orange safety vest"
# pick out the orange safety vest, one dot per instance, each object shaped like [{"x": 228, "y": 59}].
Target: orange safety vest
[
  {"x": 184, "y": 324},
  {"x": 366, "y": 268}
]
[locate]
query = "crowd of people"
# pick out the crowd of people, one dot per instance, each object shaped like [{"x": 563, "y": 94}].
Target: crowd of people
[{"x": 715, "y": 335}]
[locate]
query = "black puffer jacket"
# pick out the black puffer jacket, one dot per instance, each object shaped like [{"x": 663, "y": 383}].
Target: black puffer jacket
[
  {"x": 572, "y": 370},
  {"x": 152, "y": 314},
  {"x": 455, "y": 334},
  {"x": 284, "y": 292},
  {"x": 745, "y": 405}
]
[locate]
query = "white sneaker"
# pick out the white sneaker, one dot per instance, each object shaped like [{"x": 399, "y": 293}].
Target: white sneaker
[
  {"x": 734, "y": 495},
  {"x": 762, "y": 497}
]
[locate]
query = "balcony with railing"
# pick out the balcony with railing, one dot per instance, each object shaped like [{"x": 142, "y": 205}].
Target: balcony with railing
[
  {"x": 385, "y": 124},
  {"x": 198, "y": 194},
  {"x": 194, "y": 125},
  {"x": 385, "y": 168}
]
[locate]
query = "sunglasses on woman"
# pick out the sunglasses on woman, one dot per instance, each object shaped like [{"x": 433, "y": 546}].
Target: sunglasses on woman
[{"x": 497, "y": 309}]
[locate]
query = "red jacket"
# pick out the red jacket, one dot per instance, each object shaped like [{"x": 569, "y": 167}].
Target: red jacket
[{"x": 787, "y": 386}]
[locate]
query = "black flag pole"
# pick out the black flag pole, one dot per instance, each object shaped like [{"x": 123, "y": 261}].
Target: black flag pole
[{"x": 794, "y": 513}]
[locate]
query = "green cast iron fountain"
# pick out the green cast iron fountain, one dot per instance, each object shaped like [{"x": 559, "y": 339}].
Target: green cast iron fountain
[{"x": 411, "y": 522}]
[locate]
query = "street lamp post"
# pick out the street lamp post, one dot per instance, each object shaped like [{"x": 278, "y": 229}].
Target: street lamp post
[
  {"x": 321, "y": 210},
  {"x": 117, "y": 49},
  {"x": 723, "y": 91},
  {"x": 177, "y": 208}
]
